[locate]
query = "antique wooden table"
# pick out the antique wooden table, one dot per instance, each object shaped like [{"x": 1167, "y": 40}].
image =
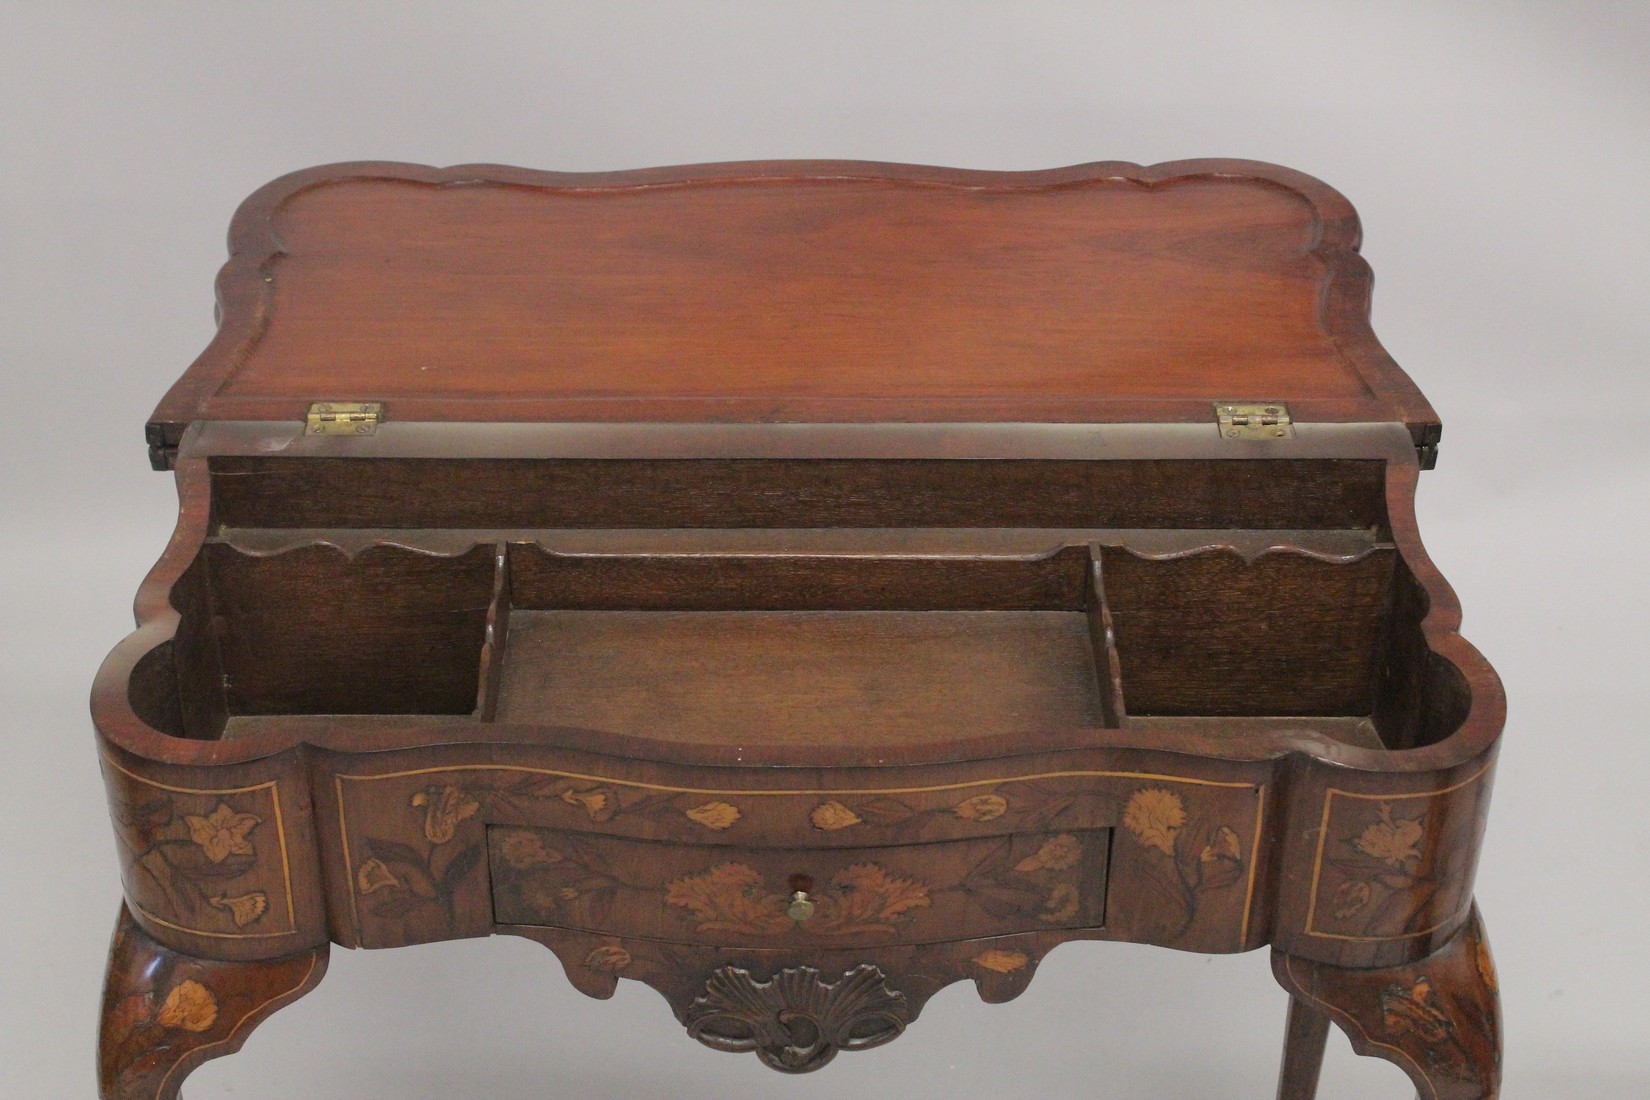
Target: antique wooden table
[{"x": 798, "y": 586}]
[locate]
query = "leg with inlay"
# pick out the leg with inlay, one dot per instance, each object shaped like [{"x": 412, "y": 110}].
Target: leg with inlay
[
  {"x": 1439, "y": 1018},
  {"x": 165, "y": 1013}
]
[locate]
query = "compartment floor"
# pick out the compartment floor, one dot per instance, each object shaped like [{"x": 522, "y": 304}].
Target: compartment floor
[{"x": 765, "y": 677}]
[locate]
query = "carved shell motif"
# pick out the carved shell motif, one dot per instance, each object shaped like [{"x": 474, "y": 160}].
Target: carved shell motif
[{"x": 796, "y": 1022}]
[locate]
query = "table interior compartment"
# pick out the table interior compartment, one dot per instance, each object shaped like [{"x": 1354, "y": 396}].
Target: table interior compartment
[{"x": 735, "y": 644}]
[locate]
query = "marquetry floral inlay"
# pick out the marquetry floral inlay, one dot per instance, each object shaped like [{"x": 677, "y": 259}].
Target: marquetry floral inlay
[
  {"x": 1001, "y": 961},
  {"x": 524, "y": 851},
  {"x": 1377, "y": 876},
  {"x": 1057, "y": 853},
  {"x": 199, "y": 870},
  {"x": 190, "y": 1006},
  {"x": 734, "y": 897},
  {"x": 1185, "y": 857},
  {"x": 444, "y": 808},
  {"x": 714, "y": 815},
  {"x": 1155, "y": 816},
  {"x": 598, "y": 803},
  {"x": 833, "y": 815},
  {"x": 373, "y": 875},
  {"x": 609, "y": 959},
  {"x": 1393, "y": 842},
  {"x": 222, "y": 833},
  {"x": 243, "y": 909},
  {"x": 982, "y": 807},
  {"x": 1412, "y": 1009}
]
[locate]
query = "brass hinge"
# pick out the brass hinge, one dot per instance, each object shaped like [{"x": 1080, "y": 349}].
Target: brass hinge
[
  {"x": 343, "y": 418},
  {"x": 1254, "y": 421}
]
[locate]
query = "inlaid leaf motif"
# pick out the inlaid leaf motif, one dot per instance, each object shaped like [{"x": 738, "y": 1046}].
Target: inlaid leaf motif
[
  {"x": 1001, "y": 961},
  {"x": 127, "y": 1016},
  {"x": 982, "y": 807},
  {"x": 714, "y": 815},
  {"x": 1064, "y": 903},
  {"x": 1412, "y": 1009},
  {"x": 609, "y": 959},
  {"x": 1057, "y": 853},
  {"x": 598, "y": 803},
  {"x": 244, "y": 909},
  {"x": 526, "y": 850},
  {"x": 833, "y": 815}
]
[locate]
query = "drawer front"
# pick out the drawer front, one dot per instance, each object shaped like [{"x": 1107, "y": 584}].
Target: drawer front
[{"x": 727, "y": 896}]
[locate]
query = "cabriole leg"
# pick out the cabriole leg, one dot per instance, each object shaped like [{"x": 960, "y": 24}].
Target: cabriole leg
[
  {"x": 165, "y": 1013},
  {"x": 1303, "y": 1043},
  {"x": 1439, "y": 1018}
]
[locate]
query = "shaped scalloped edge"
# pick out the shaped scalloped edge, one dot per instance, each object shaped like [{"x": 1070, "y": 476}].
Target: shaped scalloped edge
[{"x": 244, "y": 286}]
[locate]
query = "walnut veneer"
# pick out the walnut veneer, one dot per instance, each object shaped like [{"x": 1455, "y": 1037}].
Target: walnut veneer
[{"x": 799, "y": 586}]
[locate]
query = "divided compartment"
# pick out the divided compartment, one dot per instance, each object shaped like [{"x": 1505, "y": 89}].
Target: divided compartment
[
  {"x": 765, "y": 649},
  {"x": 803, "y": 646}
]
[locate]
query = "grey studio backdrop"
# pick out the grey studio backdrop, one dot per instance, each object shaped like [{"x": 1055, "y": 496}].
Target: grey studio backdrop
[{"x": 1498, "y": 153}]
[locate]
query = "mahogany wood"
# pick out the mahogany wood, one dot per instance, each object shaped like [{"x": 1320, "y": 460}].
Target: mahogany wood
[
  {"x": 831, "y": 592},
  {"x": 165, "y": 1013},
  {"x": 1305, "y": 1035},
  {"x": 1100, "y": 292},
  {"x": 1438, "y": 1018}
]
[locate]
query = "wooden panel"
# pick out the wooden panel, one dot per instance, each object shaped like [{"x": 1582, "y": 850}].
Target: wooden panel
[
  {"x": 795, "y": 292},
  {"x": 389, "y": 631},
  {"x": 1211, "y": 634},
  {"x": 493, "y": 493},
  {"x": 925, "y": 893},
  {"x": 710, "y": 582},
  {"x": 854, "y": 678}
]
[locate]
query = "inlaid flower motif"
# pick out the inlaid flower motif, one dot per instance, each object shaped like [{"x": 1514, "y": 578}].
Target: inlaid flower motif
[
  {"x": 222, "y": 833},
  {"x": 245, "y": 909},
  {"x": 982, "y": 807},
  {"x": 1057, "y": 854},
  {"x": 374, "y": 875},
  {"x": 728, "y": 897},
  {"x": 833, "y": 815},
  {"x": 609, "y": 959},
  {"x": 190, "y": 1006},
  {"x": 598, "y": 803},
  {"x": 544, "y": 896},
  {"x": 524, "y": 851},
  {"x": 1412, "y": 1010},
  {"x": 444, "y": 808},
  {"x": 1351, "y": 898},
  {"x": 1220, "y": 863},
  {"x": 1002, "y": 962},
  {"x": 1063, "y": 904},
  {"x": 126, "y": 1017},
  {"x": 714, "y": 815},
  {"x": 1155, "y": 816},
  {"x": 1393, "y": 842}
]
